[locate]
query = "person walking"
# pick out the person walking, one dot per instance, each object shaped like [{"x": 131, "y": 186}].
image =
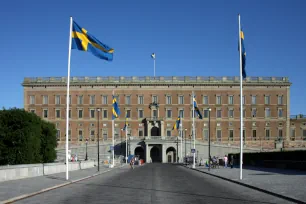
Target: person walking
[
  {"x": 132, "y": 163},
  {"x": 225, "y": 161}
]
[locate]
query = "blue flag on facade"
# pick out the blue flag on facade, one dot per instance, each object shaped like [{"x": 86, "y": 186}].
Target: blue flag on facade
[
  {"x": 84, "y": 41},
  {"x": 177, "y": 123},
  {"x": 243, "y": 54},
  {"x": 115, "y": 109},
  {"x": 196, "y": 109}
]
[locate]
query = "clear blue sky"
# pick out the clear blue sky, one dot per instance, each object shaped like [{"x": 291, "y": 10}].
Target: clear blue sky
[{"x": 189, "y": 38}]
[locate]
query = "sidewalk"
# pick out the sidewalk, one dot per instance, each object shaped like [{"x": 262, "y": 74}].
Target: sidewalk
[
  {"x": 14, "y": 188},
  {"x": 288, "y": 183}
]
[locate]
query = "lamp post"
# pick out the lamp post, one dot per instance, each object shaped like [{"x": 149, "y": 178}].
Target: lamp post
[
  {"x": 209, "y": 110},
  {"x": 185, "y": 144},
  {"x": 86, "y": 157},
  {"x": 98, "y": 140},
  {"x": 177, "y": 150}
]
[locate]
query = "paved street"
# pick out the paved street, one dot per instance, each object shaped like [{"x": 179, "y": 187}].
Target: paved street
[{"x": 153, "y": 183}]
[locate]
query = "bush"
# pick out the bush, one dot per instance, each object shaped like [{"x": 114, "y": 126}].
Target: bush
[{"x": 25, "y": 138}]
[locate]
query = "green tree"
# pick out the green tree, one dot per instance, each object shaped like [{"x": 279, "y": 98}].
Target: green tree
[{"x": 48, "y": 142}]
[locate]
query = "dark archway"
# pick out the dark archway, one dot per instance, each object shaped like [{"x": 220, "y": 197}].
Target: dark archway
[
  {"x": 171, "y": 155},
  {"x": 155, "y": 154},
  {"x": 139, "y": 151},
  {"x": 155, "y": 131}
]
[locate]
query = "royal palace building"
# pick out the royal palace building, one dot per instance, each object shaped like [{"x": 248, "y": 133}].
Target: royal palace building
[{"x": 152, "y": 105}]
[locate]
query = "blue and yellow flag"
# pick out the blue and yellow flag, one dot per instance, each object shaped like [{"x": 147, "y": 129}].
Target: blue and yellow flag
[
  {"x": 84, "y": 41},
  {"x": 243, "y": 54},
  {"x": 177, "y": 123},
  {"x": 115, "y": 109},
  {"x": 196, "y": 109},
  {"x": 126, "y": 123}
]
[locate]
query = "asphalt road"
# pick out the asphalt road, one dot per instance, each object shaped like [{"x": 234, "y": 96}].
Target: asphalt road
[{"x": 153, "y": 183}]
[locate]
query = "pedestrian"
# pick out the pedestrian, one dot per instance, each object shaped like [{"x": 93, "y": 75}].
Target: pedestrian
[
  {"x": 132, "y": 163},
  {"x": 232, "y": 161},
  {"x": 225, "y": 161}
]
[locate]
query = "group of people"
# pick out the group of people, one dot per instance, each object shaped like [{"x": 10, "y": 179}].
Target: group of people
[{"x": 214, "y": 161}]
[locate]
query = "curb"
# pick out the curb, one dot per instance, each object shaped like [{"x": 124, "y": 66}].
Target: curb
[
  {"x": 21, "y": 197},
  {"x": 252, "y": 187}
]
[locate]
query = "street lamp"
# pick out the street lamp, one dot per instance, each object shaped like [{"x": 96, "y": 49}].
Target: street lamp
[
  {"x": 98, "y": 140},
  {"x": 209, "y": 110},
  {"x": 177, "y": 150},
  {"x": 185, "y": 143},
  {"x": 86, "y": 150}
]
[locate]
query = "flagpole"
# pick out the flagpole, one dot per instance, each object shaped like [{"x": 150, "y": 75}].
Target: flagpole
[
  {"x": 67, "y": 100},
  {"x": 113, "y": 131},
  {"x": 241, "y": 105},
  {"x": 181, "y": 127},
  {"x": 154, "y": 66},
  {"x": 126, "y": 156},
  {"x": 193, "y": 129}
]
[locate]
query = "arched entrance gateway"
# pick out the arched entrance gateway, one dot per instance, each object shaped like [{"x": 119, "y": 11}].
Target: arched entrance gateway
[
  {"x": 155, "y": 154},
  {"x": 155, "y": 131},
  {"x": 171, "y": 155},
  {"x": 139, "y": 151}
]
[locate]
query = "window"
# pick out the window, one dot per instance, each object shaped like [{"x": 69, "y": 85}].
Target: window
[
  {"x": 45, "y": 113},
  {"x": 267, "y": 134},
  {"x": 181, "y": 113},
  {"x": 45, "y": 99},
  {"x": 169, "y": 113},
  {"x": 69, "y": 113},
  {"x": 267, "y": 112},
  {"x": 206, "y": 112},
  {"x": 128, "y": 113},
  {"x": 104, "y": 133},
  {"x": 80, "y": 100},
  {"x": 267, "y": 100},
  {"x": 218, "y": 100},
  {"x": 140, "y": 99},
  {"x": 57, "y": 99},
  {"x": 243, "y": 100},
  {"x": 154, "y": 113},
  {"x": 254, "y": 111},
  {"x": 292, "y": 133},
  {"x": 117, "y": 133},
  {"x": 70, "y": 99},
  {"x": 92, "y": 113},
  {"x": 117, "y": 98},
  {"x": 140, "y": 113},
  {"x": 128, "y": 100},
  {"x": 205, "y": 100},
  {"x": 104, "y": 113},
  {"x": 205, "y": 134},
  {"x": 154, "y": 99},
  {"x": 32, "y": 100},
  {"x": 231, "y": 100},
  {"x": 181, "y": 100},
  {"x": 92, "y": 100},
  {"x": 69, "y": 135},
  {"x": 168, "y": 133},
  {"x": 140, "y": 132},
  {"x": 231, "y": 135},
  {"x": 58, "y": 135},
  {"x": 32, "y": 110},
  {"x": 243, "y": 135},
  {"x": 92, "y": 135},
  {"x": 231, "y": 113},
  {"x": 80, "y": 135},
  {"x": 304, "y": 134},
  {"x": 104, "y": 100},
  {"x": 244, "y": 112},
  {"x": 253, "y": 100},
  {"x": 219, "y": 113},
  {"x": 280, "y": 133},
  {"x": 254, "y": 134},
  {"x": 280, "y": 112},
  {"x": 219, "y": 135},
  {"x": 58, "y": 114},
  {"x": 168, "y": 100},
  {"x": 280, "y": 100},
  {"x": 80, "y": 113}
]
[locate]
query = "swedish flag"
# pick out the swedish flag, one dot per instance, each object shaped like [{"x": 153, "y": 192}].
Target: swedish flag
[
  {"x": 115, "y": 109},
  {"x": 84, "y": 41},
  {"x": 126, "y": 123},
  {"x": 243, "y": 54},
  {"x": 196, "y": 109},
  {"x": 177, "y": 123}
]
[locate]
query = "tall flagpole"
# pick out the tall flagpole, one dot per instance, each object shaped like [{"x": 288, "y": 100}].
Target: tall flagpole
[
  {"x": 126, "y": 156},
  {"x": 67, "y": 100},
  {"x": 241, "y": 105},
  {"x": 181, "y": 127},
  {"x": 113, "y": 131},
  {"x": 193, "y": 130}
]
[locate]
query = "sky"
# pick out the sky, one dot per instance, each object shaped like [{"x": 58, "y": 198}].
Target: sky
[{"x": 190, "y": 38}]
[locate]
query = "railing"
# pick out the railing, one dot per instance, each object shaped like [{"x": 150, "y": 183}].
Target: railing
[
  {"x": 148, "y": 79},
  {"x": 300, "y": 116}
]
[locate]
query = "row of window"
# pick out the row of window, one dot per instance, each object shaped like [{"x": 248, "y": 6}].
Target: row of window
[
  {"x": 254, "y": 136},
  {"x": 92, "y": 99},
  {"x": 154, "y": 113}
]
